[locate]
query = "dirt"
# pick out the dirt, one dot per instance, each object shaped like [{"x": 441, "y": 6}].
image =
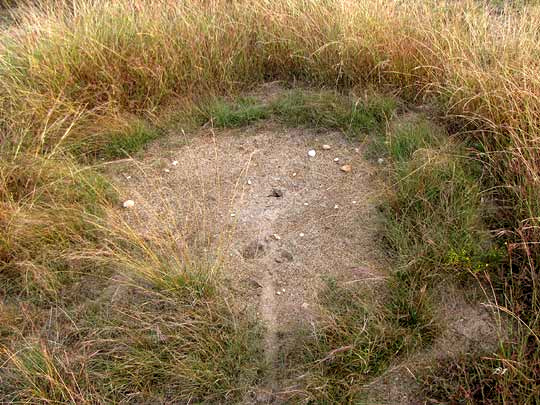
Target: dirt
[
  {"x": 284, "y": 221},
  {"x": 281, "y": 222}
]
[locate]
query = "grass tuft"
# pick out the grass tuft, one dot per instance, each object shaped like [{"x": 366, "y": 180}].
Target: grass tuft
[
  {"x": 154, "y": 353},
  {"x": 130, "y": 141},
  {"x": 357, "y": 338},
  {"x": 48, "y": 214},
  {"x": 327, "y": 109},
  {"x": 242, "y": 112},
  {"x": 435, "y": 211}
]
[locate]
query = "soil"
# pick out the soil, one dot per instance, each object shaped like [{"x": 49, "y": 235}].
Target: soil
[{"x": 284, "y": 221}]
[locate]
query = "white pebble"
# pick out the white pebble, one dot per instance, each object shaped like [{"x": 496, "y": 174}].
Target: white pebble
[
  {"x": 249, "y": 182},
  {"x": 174, "y": 162},
  {"x": 294, "y": 174},
  {"x": 301, "y": 235},
  {"x": 166, "y": 170},
  {"x": 354, "y": 202},
  {"x": 326, "y": 147},
  {"x": 283, "y": 289},
  {"x": 357, "y": 150},
  {"x": 336, "y": 159},
  {"x": 306, "y": 204},
  {"x": 278, "y": 292},
  {"x": 276, "y": 236},
  {"x": 305, "y": 305},
  {"x": 336, "y": 206},
  {"x": 380, "y": 161},
  {"x": 312, "y": 153},
  {"x": 233, "y": 215},
  {"x": 128, "y": 203}
]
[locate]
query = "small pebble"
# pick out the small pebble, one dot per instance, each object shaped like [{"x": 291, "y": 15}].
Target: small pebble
[
  {"x": 326, "y": 147},
  {"x": 312, "y": 153},
  {"x": 283, "y": 289},
  {"x": 346, "y": 168},
  {"x": 306, "y": 204},
  {"x": 357, "y": 150},
  {"x": 336, "y": 207},
  {"x": 174, "y": 162},
  {"x": 294, "y": 174},
  {"x": 301, "y": 235},
  {"x": 278, "y": 292},
  {"x": 128, "y": 203},
  {"x": 380, "y": 161},
  {"x": 276, "y": 236},
  {"x": 233, "y": 215},
  {"x": 305, "y": 305},
  {"x": 336, "y": 159},
  {"x": 249, "y": 182},
  {"x": 166, "y": 170},
  {"x": 354, "y": 202}
]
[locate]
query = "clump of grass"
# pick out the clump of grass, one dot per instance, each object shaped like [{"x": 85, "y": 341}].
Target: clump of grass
[
  {"x": 128, "y": 142},
  {"x": 37, "y": 373},
  {"x": 302, "y": 107},
  {"x": 47, "y": 214},
  {"x": 205, "y": 353},
  {"x": 463, "y": 380},
  {"x": 410, "y": 137},
  {"x": 410, "y": 306},
  {"x": 435, "y": 211},
  {"x": 241, "y": 112},
  {"x": 359, "y": 335},
  {"x": 329, "y": 109},
  {"x": 150, "y": 345},
  {"x": 481, "y": 378},
  {"x": 435, "y": 222},
  {"x": 161, "y": 330}
]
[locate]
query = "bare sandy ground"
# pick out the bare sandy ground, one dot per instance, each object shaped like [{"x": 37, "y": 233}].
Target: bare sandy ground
[
  {"x": 278, "y": 222},
  {"x": 281, "y": 220}
]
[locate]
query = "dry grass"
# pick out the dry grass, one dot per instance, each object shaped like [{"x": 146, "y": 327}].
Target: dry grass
[{"x": 71, "y": 71}]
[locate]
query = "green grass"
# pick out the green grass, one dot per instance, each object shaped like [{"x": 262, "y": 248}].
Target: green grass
[
  {"x": 205, "y": 353},
  {"x": 436, "y": 223},
  {"x": 323, "y": 109},
  {"x": 411, "y": 137},
  {"x": 241, "y": 112},
  {"x": 331, "y": 110},
  {"x": 360, "y": 333},
  {"x": 410, "y": 307},
  {"x": 482, "y": 378},
  {"x": 433, "y": 225},
  {"x": 148, "y": 346},
  {"x": 39, "y": 237},
  {"x": 435, "y": 214},
  {"x": 130, "y": 141}
]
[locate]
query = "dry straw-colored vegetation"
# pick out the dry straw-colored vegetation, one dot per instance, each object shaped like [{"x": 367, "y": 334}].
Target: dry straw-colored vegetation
[{"x": 76, "y": 75}]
